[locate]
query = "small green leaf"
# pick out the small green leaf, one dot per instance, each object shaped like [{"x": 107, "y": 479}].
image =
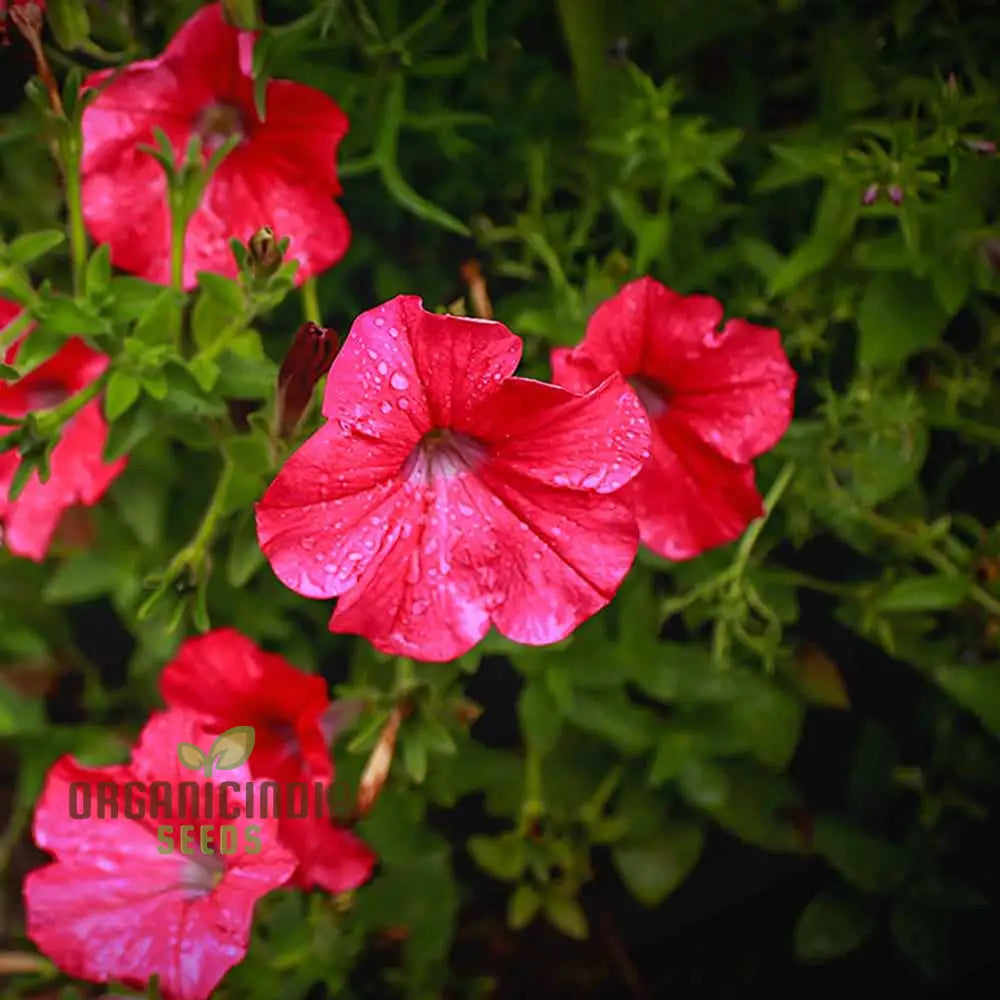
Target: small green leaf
[
  {"x": 133, "y": 297},
  {"x": 539, "y": 717},
  {"x": 159, "y": 320},
  {"x": 976, "y": 689},
  {"x": 19, "y": 714},
  {"x": 244, "y": 556},
  {"x": 8, "y": 373},
  {"x": 898, "y": 316},
  {"x": 125, "y": 433},
  {"x": 502, "y": 857},
  {"x": 204, "y": 371},
  {"x": 226, "y": 292},
  {"x": 69, "y": 22},
  {"x": 71, "y": 318},
  {"x": 29, "y": 247},
  {"x": 831, "y": 926},
  {"x": 522, "y": 907},
  {"x": 933, "y": 592},
  {"x": 869, "y": 862},
  {"x": 565, "y": 914},
  {"x": 122, "y": 391},
  {"x": 99, "y": 270},
  {"x": 84, "y": 576},
  {"x": 653, "y": 868}
]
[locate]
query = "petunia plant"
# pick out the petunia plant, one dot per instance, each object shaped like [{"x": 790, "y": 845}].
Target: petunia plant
[{"x": 477, "y": 478}]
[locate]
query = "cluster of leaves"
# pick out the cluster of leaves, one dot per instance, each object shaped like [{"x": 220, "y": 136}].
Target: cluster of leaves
[{"x": 729, "y": 148}]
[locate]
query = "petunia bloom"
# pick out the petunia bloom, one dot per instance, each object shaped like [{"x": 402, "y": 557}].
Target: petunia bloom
[
  {"x": 282, "y": 174},
  {"x": 443, "y": 493},
  {"x": 127, "y": 899},
  {"x": 78, "y": 472},
  {"x": 716, "y": 399},
  {"x": 232, "y": 682}
]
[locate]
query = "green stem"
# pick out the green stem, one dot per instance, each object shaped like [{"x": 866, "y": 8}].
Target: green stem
[
  {"x": 533, "y": 807},
  {"x": 310, "y": 302},
  {"x": 178, "y": 232},
  {"x": 206, "y": 529},
  {"x": 14, "y": 329},
  {"x": 749, "y": 540},
  {"x": 584, "y": 26},
  {"x": 74, "y": 208}
]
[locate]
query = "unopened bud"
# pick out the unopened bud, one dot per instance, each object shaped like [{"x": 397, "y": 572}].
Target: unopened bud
[
  {"x": 871, "y": 193},
  {"x": 265, "y": 254},
  {"x": 241, "y": 14},
  {"x": 377, "y": 769},
  {"x": 308, "y": 360},
  {"x": 895, "y": 194}
]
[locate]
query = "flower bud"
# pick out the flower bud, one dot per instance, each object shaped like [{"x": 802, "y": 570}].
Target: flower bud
[
  {"x": 308, "y": 360},
  {"x": 895, "y": 194},
  {"x": 871, "y": 193},
  {"x": 241, "y": 14},
  {"x": 985, "y": 146},
  {"x": 376, "y": 771},
  {"x": 265, "y": 254}
]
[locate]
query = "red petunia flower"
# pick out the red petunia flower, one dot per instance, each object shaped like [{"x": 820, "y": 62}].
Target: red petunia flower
[
  {"x": 443, "y": 493},
  {"x": 78, "y": 472},
  {"x": 127, "y": 899},
  {"x": 715, "y": 398},
  {"x": 282, "y": 174},
  {"x": 232, "y": 682}
]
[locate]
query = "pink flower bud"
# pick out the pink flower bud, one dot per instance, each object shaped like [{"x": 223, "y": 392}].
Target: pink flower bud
[{"x": 308, "y": 360}]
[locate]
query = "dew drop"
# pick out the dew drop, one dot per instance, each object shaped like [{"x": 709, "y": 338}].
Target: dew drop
[
  {"x": 379, "y": 321},
  {"x": 404, "y": 403},
  {"x": 385, "y": 406},
  {"x": 399, "y": 381},
  {"x": 382, "y": 368}
]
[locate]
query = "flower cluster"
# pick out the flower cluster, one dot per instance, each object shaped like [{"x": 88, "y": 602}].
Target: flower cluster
[
  {"x": 443, "y": 495},
  {"x": 143, "y": 886}
]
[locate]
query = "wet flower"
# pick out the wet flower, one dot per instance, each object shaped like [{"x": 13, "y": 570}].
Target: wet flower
[
  {"x": 716, "y": 399},
  {"x": 444, "y": 494},
  {"x": 281, "y": 174},
  {"x": 232, "y": 682},
  {"x": 130, "y": 898},
  {"x": 78, "y": 472},
  {"x": 308, "y": 360}
]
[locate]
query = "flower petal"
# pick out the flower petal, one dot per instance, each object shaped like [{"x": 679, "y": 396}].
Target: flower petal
[
  {"x": 738, "y": 394},
  {"x": 594, "y": 442},
  {"x": 688, "y": 498},
  {"x": 401, "y": 364},
  {"x": 330, "y": 857}
]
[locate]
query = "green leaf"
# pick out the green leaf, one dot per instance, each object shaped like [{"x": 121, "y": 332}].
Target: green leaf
[
  {"x": 868, "y": 862},
  {"x": 652, "y": 869},
  {"x": 133, "y": 297},
  {"x": 24, "y": 249},
  {"x": 38, "y": 347},
  {"x": 898, "y": 316},
  {"x": 160, "y": 319},
  {"x": 69, "y": 22},
  {"x": 832, "y": 925},
  {"x": 122, "y": 391},
  {"x": 614, "y": 718},
  {"x": 224, "y": 291},
  {"x": 771, "y": 720},
  {"x": 933, "y": 592},
  {"x": 244, "y": 556},
  {"x": 502, "y": 857},
  {"x": 522, "y": 907},
  {"x": 9, "y": 373},
  {"x": 125, "y": 433},
  {"x": 976, "y": 689},
  {"x": 141, "y": 502},
  {"x": 99, "y": 270},
  {"x": 71, "y": 318},
  {"x": 84, "y": 576},
  {"x": 204, "y": 371},
  {"x": 243, "y": 378},
  {"x": 539, "y": 716},
  {"x": 565, "y": 914},
  {"x": 19, "y": 714}
]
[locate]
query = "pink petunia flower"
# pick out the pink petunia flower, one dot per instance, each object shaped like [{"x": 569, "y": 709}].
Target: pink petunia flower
[
  {"x": 716, "y": 398},
  {"x": 227, "y": 678},
  {"x": 127, "y": 899},
  {"x": 78, "y": 472},
  {"x": 282, "y": 174},
  {"x": 444, "y": 494}
]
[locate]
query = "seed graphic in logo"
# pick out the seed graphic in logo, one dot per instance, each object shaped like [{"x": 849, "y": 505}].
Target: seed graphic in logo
[{"x": 231, "y": 749}]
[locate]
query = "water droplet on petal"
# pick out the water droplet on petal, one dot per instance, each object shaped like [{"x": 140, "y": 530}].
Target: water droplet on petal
[
  {"x": 399, "y": 381},
  {"x": 382, "y": 368}
]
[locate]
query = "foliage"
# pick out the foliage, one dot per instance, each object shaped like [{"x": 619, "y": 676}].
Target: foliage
[{"x": 728, "y": 149}]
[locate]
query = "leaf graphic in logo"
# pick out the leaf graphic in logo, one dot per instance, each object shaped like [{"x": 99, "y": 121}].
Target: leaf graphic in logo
[
  {"x": 191, "y": 756},
  {"x": 231, "y": 749}
]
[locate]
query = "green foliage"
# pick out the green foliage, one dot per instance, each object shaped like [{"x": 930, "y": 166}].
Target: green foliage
[{"x": 728, "y": 152}]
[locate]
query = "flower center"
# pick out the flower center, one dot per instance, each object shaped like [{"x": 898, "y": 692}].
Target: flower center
[
  {"x": 219, "y": 122},
  {"x": 443, "y": 454},
  {"x": 45, "y": 393},
  {"x": 201, "y": 873},
  {"x": 653, "y": 396}
]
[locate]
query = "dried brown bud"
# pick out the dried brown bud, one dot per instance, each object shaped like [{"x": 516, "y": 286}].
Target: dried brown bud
[
  {"x": 377, "y": 769},
  {"x": 308, "y": 360},
  {"x": 265, "y": 254}
]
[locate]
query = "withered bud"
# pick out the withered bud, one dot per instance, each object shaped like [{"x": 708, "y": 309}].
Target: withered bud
[
  {"x": 377, "y": 769},
  {"x": 265, "y": 254},
  {"x": 29, "y": 18},
  {"x": 308, "y": 360},
  {"x": 472, "y": 275}
]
